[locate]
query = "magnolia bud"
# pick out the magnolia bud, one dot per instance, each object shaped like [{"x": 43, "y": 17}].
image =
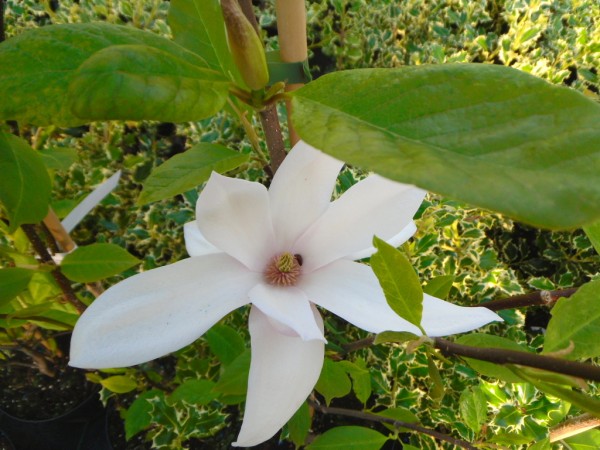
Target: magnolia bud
[{"x": 245, "y": 45}]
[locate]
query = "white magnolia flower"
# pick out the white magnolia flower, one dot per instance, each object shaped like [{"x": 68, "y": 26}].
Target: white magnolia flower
[{"x": 284, "y": 251}]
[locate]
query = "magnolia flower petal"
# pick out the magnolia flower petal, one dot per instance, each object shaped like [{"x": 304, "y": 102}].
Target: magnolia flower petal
[
  {"x": 374, "y": 206},
  {"x": 289, "y": 306},
  {"x": 195, "y": 243},
  {"x": 159, "y": 311},
  {"x": 301, "y": 191},
  {"x": 441, "y": 318},
  {"x": 234, "y": 215},
  {"x": 283, "y": 373},
  {"x": 407, "y": 232},
  {"x": 351, "y": 291}
]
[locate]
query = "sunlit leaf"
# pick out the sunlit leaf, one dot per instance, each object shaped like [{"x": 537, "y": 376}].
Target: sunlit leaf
[
  {"x": 299, "y": 425},
  {"x": 225, "y": 343},
  {"x": 576, "y": 319},
  {"x": 348, "y": 438},
  {"x": 485, "y": 134},
  {"x": 473, "y": 408},
  {"x": 439, "y": 286},
  {"x": 399, "y": 281},
  {"x": 333, "y": 381},
  {"x": 119, "y": 384},
  {"x": 13, "y": 281}
]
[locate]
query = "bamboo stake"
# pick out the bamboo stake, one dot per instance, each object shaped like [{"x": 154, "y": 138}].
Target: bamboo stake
[
  {"x": 291, "y": 28},
  {"x": 58, "y": 231}
]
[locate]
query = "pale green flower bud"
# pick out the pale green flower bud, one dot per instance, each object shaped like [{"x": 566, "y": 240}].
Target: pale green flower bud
[{"x": 245, "y": 45}]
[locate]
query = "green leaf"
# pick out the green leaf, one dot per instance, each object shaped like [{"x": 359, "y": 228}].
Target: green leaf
[
  {"x": 361, "y": 378},
  {"x": 194, "y": 392},
  {"x": 487, "y": 368},
  {"x": 137, "y": 82},
  {"x": 24, "y": 183},
  {"x": 485, "y": 134},
  {"x": 348, "y": 438},
  {"x": 439, "y": 286},
  {"x": 590, "y": 440},
  {"x": 37, "y": 66},
  {"x": 59, "y": 158},
  {"x": 299, "y": 425},
  {"x": 333, "y": 381},
  {"x": 225, "y": 343},
  {"x": 436, "y": 390},
  {"x": 97, "y": 261},
  {"x": 576, "y": 319},
  {"x": 189, "y": 169},
  {"x": 13, "y": 281},
  {"x": 119, "y": 384},
  {"x": 473, "y": 408},
  {"x": 593, "y": 233},
  {"x": 234, "y": 380},
  {"x": 198, "y": 26},
  {"x": 394, "y": 336},
  {"x": 399, "y": 281},
  {"x": 139, "y": 414},
  {"x": 400, "y": 414}
]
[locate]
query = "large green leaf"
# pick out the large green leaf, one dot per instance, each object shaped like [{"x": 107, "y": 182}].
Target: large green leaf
[
  {"x": 37, "y": 66},
  {"x": 225, "y": 343},
  {"x": 97, "y": 261},
  {"x": 333, "y": 381},
  {"x": 198, "y": 26},
  {"x": 189, "y": 169},
  {"x": 473, "y": 408},
  {"x": 24, "y": 182},
  {"x": 488, "y": 135},
  {"x": 399, "y": 281},
  {"x": 138, "y": 82},
  {"x": 348, "y": 438},
  {"x": 576, "y": 319}
]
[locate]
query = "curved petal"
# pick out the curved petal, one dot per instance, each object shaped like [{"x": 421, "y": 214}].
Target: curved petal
[
  {"x": 234, "y": 215},
  {"x": 351, "y": 290},
  {"x": 195, "y": 243},
  {"x": 374, "y": 206},
  {"x": 441, "y": 318},
  {"x": 407, "y": 232},
  {"x": 159, "y": 311},
  {"x": 283, "y": 372},
  {"x": 289, "y": 306},
  {"x": 301, "y": 191}
]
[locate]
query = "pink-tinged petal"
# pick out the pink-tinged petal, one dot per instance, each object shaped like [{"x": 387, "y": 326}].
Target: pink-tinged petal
[
  {"x": 374, "y": 206},
  {"x": 289, "y": 306},
  {"x": 283, "y": 373},
  {"x": 159, "y": 311},
  {"x": 407, "y": 232},
  {"x": 351, "y": 290},
  {"x": 234, "y": 215},
  {"x": 301, "y": 191},
  {"x": 441, "y": 318},
  {"x": 195, "y": 243}
]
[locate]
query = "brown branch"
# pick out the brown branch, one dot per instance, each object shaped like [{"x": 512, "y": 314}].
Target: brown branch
[
  {"x": 502, "y": 356},
  {"x": 396, "y": 423},
  {"x": 573, "y": 427},
  {"x": 539, "y": 298},
  {"x": 273, "y": 136},
  {"x": 64, "y": 284},
  {"x": 2, "y": 32}
]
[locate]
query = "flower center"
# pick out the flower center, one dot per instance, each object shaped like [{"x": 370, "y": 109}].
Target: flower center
[{"x": 283, "y": 269}]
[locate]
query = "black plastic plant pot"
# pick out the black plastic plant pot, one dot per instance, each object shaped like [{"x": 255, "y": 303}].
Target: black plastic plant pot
[{"x": 81, "y": 428}]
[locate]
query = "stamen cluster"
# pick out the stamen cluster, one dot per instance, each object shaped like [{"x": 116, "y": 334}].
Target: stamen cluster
[{"x": 283, "y": 270}]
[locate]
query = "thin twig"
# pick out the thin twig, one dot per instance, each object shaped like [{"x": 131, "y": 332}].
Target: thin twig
[
  {"x": 539, "y": 298},
  {"x": 502, "y": 356},
  {"x": 64, "y": 284},
  {"x": 396, "y": 423}
]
